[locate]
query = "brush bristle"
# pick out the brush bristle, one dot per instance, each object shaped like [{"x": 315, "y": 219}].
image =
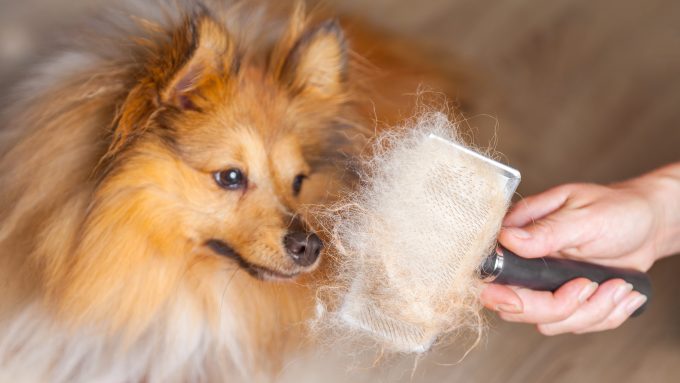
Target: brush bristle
[{"x": 411, "y": 239}]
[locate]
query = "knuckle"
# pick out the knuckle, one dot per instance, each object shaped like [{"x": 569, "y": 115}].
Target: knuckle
[
  {"x": 565, "y": 311},
  {"x": 561, "y": 315},
  {"x": 545, "y": 235},
  {"x": 603, "y": 312},
  {"x": 613, "y": 322},
  {"x": 545, "y": 226},
  {"x": 566, "y": 188}
]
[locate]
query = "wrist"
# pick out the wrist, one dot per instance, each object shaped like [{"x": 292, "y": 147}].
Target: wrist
[{"x": 662, "y": 189}]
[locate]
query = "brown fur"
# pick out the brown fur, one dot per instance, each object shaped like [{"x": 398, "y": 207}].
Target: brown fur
[{"x": 108, "y": 189}]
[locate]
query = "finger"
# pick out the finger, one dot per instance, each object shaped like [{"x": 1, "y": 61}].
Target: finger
[
  {"x": 621, "y": 313},
  {"x": 561, "y": 230},
  {"x": 594, "y": 311},
  {"x": 501, "y": 298},
  {"x": 547, "y": 307},
  {"x": 537, "y": 206}
]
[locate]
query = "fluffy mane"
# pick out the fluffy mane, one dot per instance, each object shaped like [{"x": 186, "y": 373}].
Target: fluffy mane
[{"x": 65, "y": 235}]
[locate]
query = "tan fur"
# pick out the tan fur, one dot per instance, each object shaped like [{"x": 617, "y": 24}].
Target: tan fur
[
  {"x": 111, "y": 246},
  {"x": 108, "y": 198}
]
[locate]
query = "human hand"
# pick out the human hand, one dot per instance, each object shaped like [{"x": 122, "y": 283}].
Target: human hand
[{"x": 622, "y": 225}]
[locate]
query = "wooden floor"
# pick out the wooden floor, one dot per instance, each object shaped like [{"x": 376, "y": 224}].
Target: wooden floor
[{"x": 572, "y": 90}]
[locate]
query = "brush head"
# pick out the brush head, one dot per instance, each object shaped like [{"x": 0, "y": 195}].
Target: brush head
[
  {"x": 411, "y": 240},
  {"x": 507, "y": 177}
]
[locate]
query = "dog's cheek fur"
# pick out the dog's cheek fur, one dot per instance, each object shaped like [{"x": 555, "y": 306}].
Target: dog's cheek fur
[
  {"x": 130, "y": 256},
  {"x": 142, "y": 242}
]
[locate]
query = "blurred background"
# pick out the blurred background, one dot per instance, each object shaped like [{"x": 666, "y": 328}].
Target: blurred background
[{"x": 576, "y": 90}]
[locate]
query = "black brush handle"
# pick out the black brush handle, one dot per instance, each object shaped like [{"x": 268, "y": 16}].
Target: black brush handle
[{"x": 548, "y": 274}]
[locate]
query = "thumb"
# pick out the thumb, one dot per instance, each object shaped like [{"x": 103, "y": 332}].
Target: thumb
[{"x": 551, "y": 234}]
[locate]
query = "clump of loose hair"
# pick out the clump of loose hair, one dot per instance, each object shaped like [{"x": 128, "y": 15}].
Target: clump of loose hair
[{"x": 409, "y": 241}]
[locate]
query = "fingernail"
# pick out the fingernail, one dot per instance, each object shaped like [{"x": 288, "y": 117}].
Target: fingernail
[
  {"x": 509, "y": 308},
  {"x": 621, "y": 292},
  {"x": 519, "y": 233},
  {"x": 635, "y": 304},
  {"x": 587, "y": 292}
]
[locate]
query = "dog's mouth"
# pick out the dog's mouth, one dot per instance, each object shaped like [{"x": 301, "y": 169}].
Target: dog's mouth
[{"x": 256, "y": 271}]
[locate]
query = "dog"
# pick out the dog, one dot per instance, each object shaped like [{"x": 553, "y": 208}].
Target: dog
[{"x": 155, "y": 183}]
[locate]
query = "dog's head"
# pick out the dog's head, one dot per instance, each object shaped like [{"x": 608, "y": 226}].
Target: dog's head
[{"x": 221, "y": 145}]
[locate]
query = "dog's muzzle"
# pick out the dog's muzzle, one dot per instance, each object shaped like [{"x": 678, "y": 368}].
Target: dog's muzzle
[{"x": 303, "y": 248}]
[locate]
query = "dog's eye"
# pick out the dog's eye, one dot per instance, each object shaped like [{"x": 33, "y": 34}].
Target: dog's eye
[
  {"x": 297, "y": 183},
  {"x": 231, "y": 179}
]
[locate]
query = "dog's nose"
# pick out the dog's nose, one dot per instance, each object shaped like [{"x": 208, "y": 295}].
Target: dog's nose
[{"x": 304, "y": 248}]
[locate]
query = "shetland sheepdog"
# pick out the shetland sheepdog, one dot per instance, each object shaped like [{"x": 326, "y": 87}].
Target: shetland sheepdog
[{"x": 154, "y": 182}]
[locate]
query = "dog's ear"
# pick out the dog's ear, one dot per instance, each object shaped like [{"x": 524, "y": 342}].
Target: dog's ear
[
  {"x": 182, "y": 74},
  {"x": 208, "y": 64},
  {"x": 317, "y": 62}
]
